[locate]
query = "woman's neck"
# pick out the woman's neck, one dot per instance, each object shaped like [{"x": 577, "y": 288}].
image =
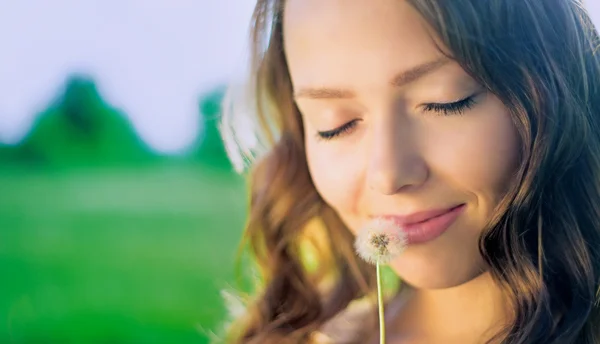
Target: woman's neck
[{"x": 470, "y": 313}]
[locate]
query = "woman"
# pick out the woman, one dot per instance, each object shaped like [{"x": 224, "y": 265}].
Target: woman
[{"x": 472, "y": 124}]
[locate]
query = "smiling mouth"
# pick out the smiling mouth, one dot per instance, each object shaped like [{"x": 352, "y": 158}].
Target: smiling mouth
[
  {"x": 421, "y": 216},
  {"x": 436, "y": 216},
  {"x": 425, "y": 226}
]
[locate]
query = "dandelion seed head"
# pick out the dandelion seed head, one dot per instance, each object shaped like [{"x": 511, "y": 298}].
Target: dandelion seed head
[{"x": 381, "y": 240}]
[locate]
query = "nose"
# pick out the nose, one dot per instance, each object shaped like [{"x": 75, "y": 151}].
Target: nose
[{"x": 396, "y": 163}]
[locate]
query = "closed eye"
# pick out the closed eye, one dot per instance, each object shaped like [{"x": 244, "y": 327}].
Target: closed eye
[
  {"x": 443, "y": 109},
  {"x": 339, "y": 131},
  {"x": 446, "y": 109}
]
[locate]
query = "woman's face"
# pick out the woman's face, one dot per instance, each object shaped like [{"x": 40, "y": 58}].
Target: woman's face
[{"x": 393, "y": 128}]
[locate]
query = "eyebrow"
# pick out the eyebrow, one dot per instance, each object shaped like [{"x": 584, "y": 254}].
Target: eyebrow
[{"x": 399, "y": 80}]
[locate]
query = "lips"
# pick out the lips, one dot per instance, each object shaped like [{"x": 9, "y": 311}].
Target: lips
[
  {"x": 426, "y": 225},
  {"x": 420, "y": 216}
]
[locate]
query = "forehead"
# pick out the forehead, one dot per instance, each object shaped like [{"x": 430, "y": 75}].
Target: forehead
[{"x": 353, "y": 42}]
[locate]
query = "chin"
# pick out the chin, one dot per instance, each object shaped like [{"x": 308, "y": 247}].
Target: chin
[{"x": 441, "y": 274}]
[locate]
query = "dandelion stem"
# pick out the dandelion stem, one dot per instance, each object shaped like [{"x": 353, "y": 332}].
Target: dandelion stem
[{"x": 380, "y": 302}]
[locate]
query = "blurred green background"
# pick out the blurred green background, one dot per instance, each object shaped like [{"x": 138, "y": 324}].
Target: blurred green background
[{"x": 103, "y": 240}]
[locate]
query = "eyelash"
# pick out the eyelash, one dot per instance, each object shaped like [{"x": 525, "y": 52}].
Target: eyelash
[
  {"x": 442, "y": 109},
  {"x": 447, "y": 109},
  {"x": 344, "y": 129}
]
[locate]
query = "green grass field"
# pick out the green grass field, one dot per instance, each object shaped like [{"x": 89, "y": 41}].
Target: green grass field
[{"x": 116, "y": 255}]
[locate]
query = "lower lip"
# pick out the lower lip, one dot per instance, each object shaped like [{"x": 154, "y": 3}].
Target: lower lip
[{"x": 422, "y": 232}]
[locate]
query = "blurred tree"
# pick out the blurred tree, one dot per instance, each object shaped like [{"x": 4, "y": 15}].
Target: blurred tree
[
  {"x": 7, "y": 153},
  {"x": 80, "y": 128},
  {"x": 210, "y": 148}
]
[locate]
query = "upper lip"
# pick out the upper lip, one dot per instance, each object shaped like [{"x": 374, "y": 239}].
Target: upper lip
[{"x": 420, "y": 216}]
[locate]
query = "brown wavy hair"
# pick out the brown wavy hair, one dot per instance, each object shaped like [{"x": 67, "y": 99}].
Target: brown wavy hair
[{"x": 543, "y": 244}]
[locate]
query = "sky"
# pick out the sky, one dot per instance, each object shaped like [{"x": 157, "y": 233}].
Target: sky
[{"x": 150, "y": 58}]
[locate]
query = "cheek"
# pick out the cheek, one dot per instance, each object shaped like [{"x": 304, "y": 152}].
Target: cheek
[
  {"x": 336, "y": 175},
  {"x": 482, "y": 155}
]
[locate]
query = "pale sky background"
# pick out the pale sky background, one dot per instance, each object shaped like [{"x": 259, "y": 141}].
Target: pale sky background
[{"x": 150, "y": 58}]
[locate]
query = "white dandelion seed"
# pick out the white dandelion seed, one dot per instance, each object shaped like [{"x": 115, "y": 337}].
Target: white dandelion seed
[{"x": 380, "y": 241}]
